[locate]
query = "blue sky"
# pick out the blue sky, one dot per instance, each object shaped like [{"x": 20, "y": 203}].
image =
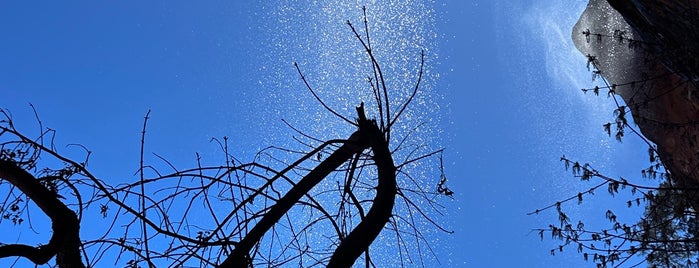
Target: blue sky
[{"x": 501, "y": 95}]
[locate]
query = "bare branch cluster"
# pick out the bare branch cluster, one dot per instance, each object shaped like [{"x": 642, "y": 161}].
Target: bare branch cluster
[{"x": 269, "y": 211}]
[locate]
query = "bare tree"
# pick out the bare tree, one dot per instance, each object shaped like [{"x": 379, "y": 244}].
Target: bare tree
[{"x": 267, "y": 212}]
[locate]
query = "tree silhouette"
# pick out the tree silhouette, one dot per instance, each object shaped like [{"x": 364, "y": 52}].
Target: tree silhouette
[
  {"x": 234, "y": 214},
  {"x": 642, "y": 53}
]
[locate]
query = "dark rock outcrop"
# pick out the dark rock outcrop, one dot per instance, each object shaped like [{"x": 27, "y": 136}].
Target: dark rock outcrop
[{"x": 647, "y": 51}]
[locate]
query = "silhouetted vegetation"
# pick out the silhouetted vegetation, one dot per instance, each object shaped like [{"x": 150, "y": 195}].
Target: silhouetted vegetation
[
  {"x": 667, "y": 234},
  {"x": 231, "y": 214}
]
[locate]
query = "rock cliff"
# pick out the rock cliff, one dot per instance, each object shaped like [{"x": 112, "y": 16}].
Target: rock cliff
[{"x": 647, "y": 51}]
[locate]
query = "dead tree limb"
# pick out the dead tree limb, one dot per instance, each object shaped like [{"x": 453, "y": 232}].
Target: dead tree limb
[
  {"x": 354, "y": 145},
  {"x": 65, "y": 240},
  {"x": 368, "y": 229}
]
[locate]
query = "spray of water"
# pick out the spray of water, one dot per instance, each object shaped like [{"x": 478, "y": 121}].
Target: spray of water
[{"x": 316, "y": 36}]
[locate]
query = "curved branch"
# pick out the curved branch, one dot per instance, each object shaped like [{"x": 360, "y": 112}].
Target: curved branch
[
  {"x": 240, "y": 255},
  {"x": 412, "y": 95},
  {"x": 65, "y": 240},
  {"x": 308, "y": 86},
  {"x": 367, "y": 230}
]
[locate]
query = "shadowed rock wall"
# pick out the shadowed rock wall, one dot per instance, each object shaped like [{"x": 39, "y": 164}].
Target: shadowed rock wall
[{"x": 647, "y": 52}]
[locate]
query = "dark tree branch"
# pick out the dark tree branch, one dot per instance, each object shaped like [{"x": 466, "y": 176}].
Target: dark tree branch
[
  {"x": 161, "y": 222},
  {"x": 354, "y": 145},
  {"x": 65, "y": 241},
  {"x": 367, "y": 230},
  {"x": 308, "y": 86}
]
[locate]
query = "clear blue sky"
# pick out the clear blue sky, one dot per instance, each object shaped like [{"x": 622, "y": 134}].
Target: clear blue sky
[{"x": 502, "y": 95}]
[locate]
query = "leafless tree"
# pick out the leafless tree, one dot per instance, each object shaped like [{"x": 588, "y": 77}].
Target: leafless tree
[{"x": 267, "y": 212}]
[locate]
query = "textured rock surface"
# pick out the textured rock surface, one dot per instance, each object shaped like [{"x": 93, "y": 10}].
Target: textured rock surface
[{"x": 655, "y": 75}]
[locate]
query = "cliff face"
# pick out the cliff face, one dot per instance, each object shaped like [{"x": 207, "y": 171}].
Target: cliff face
[{"x": 647, "y": 50}]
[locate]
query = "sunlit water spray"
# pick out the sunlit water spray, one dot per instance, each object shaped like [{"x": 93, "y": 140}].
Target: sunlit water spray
[
  {"x": 548, "y": 26},
  {"x": 316, "y": 36},
  {"x": 551, "y": 23}
]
